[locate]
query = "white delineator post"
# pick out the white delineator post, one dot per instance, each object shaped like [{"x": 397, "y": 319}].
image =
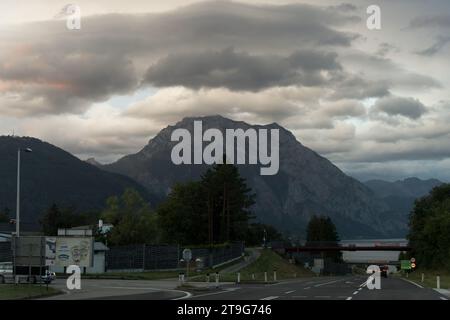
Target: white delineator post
[
  {"x": 438, "y": 282},
  {"x": 423, "y": 277},
  {"x": 239, "y": 277},
  {"x": 265, "y": 276}
]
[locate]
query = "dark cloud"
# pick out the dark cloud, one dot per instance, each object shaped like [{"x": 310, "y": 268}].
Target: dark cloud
[
  {"x": 348, "y": 86},
  {"x": 400, "y": 106},
  {"x": 440, "y": 21},
  {"x": 49, "y": 69},
  {"x": 241, "y": 71},
  {"x": 384, "y": 48},
  {"x": 440, "y": 44},
  {"x": 54, "y": 83}
]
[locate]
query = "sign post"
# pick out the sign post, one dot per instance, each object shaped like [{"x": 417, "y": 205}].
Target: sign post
[
  {"x": 405, "y": 264},
  {"x": 187, "y": 256}
]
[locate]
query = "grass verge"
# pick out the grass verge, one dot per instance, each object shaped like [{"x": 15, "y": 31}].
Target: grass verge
[
  {"x": 25, "y": 291},
  {"x": 430, "y": 278},
  {"x": 269, "y": 261}
]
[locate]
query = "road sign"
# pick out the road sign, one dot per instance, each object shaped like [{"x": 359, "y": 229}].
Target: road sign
[
  {"x": 187, "y": 254},
  {"x": 413, "y": 260},
  {"x": 405, "y": 264},
  {"x": 413, "y": 265}
]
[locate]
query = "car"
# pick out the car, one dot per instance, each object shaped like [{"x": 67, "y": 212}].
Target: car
[
  {"x": 384, "y": 271},
  {"x": 6, "y": 270},
  {"x": 48, "y": 277}
]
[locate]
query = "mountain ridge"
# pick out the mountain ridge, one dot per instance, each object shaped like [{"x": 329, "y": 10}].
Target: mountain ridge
[
  {"x": 306, "y": 184},
  {"x": 50, "y": 175}
]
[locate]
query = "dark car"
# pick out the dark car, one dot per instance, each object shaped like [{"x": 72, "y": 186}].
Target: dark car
[{"x": 384, "y": 271}]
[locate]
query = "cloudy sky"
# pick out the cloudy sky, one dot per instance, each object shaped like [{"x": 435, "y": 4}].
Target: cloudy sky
[{"x": 375, "y": 102}]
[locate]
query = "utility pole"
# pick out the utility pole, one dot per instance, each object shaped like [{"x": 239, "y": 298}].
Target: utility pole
[{"x": 18, "y": 196}]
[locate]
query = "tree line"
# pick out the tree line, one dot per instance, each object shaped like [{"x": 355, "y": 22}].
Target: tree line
[
  {"x": 429, "y": 234},
  {"x": 216, "y": 209}
]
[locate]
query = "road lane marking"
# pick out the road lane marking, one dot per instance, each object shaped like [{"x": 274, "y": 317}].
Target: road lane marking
[
  {"x": 289, "y": 292},
  {"x": 324, "y": 284},
  {"x": 412, "y": 282},
  {"x": 270, "y": 298},
  {"x": 442, "y": 298},
  {"x": 349, "y": 298},
  {"x": 325, "y": 297},
  {"x": 187, "y": 295},
  {"x": 355, "y": 292},
  {"x": 306, "y": 288},
  {"x": 360, "y": 289},
  {"x": 302, "y": 297},
  {"x": 207, "y": 294}
]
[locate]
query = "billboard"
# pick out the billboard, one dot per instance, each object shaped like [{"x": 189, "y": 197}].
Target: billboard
[
  {"x": 50, "y": 251},
  {"x": 74, "y": 251}
]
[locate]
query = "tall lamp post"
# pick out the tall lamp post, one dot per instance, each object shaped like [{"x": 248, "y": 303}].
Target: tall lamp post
[{"x": 18, "y": 190}]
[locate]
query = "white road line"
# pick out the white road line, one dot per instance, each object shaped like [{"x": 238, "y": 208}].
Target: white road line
[
  {"x": 300, "y": 297},
  {"x": 442, "y": 298},
  {"x": 360, "y": 289},
  {"x": 349, "y": 298},
  {"x": 270, "y": 298},
  {"x": 355, "y": 292},
  {"x": 289, "y": 292},
  {"x": 412, "y": 282},
  {"x": 202, "y": 295},
  {"x": 133, "y": 288},
  {"x": 324, "y": 284},
  {"x": 187, "y": 295},
  {"x": 325, "y": 297},
  {"x": 306, "y": 288}
]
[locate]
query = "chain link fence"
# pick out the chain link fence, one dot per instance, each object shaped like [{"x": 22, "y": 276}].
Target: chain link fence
[{"x": 167, "y": 257}]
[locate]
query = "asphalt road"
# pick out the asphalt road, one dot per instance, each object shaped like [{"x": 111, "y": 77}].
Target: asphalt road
[
  {"x": 103, "y": 289},
  {"x": 325, "y": 288},
  {"x": 319, "y": 288}
]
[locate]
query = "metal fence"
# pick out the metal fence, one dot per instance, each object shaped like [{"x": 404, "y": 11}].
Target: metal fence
[
  {"x": 165, "y": 257},
  {"x": 5, "y": 251}
]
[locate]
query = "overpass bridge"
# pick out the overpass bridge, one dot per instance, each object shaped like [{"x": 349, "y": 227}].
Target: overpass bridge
[{"x": 347, "y": 248}]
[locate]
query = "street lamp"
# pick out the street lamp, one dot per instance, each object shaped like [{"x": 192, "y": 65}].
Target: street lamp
[{"x": 18, "y": 190}]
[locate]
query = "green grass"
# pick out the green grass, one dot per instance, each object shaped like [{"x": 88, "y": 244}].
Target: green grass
[
  {"x": 24, "y": 291},
  {"x": 269, "y": 261},
  {"x": 430, "y": 278}
]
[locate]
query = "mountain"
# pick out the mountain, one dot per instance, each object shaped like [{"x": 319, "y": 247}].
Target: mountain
[
  {"x": 410, "y": 187},
  {"x": 400, "y": 195},
  {"x": 52, "y": 175},
  {"x": 93, "y": 162},
  {"x": 306, "y": 183}
]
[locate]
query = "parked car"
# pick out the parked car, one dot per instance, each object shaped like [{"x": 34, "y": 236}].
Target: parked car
[
  {"x": 7, "y": 274},
  {"x": 6, "y": 271},
  {"x": 384, "y": 271}
]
